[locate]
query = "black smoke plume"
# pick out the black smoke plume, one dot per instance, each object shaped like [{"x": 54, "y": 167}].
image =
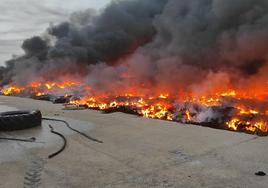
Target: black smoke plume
[{"x": 171, "y": 45}]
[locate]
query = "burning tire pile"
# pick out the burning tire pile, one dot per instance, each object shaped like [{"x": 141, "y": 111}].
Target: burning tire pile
[
  {"x": 206, "y": 111},
  {"x": 196, "y": 62}
]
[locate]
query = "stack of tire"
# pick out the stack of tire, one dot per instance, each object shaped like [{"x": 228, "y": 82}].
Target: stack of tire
[{"x": 19, "y": 120}]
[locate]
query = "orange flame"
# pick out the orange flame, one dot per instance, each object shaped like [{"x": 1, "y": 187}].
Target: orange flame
[{"x": 161, "y": 105}]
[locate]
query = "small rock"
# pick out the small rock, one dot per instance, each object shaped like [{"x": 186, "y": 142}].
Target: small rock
[{"x": 260, "y": 173}]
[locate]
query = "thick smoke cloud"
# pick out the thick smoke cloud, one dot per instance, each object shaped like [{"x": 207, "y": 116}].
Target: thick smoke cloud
[
  {"x": 214, "y": 33},
  {"x": 90, "y": 38},
  {"x": 206, "y": 45},
  {"x": 118, "y": 30},
  {"x": 35, "y": 46},
  {"x": 167, "y": 45}
]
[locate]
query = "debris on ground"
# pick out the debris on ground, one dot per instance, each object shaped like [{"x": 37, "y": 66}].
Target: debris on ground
[{"x": 260, "y": 173}]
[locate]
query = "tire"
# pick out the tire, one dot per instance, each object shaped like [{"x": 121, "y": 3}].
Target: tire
[{"x": 19, "y": 120}]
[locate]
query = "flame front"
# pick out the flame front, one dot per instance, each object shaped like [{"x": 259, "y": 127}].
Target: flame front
[
  {"x": 184, "y": 108},
  {"x": 38, "y": 88}
]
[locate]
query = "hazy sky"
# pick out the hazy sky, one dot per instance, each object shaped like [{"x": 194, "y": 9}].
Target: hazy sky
[{"x": 21, "y": 19}]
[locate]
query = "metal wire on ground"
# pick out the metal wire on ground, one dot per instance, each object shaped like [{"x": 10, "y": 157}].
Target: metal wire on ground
[
  {"x": 75, "y": 130},
  {"x": 64, "y": 142},
  {"x": 19, "y": 139},
  {"x": 33, "y": 139}
]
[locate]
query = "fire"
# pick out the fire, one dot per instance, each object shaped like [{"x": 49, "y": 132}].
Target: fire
[
  {"x": 247, "y": 111},
  {"x": 182, "y": 107},
  {"x": 228, "y": 94},
  {"x": 233, "y": 124},
  {"x": 12, "y": 90},
  {"x": 154, "y": 111},
  {"x": 38, "y": 88},
  {"x": 49, "y": 85},
  {"x": 163, "y": 96},
  {"x": 252, "y": 127},
  {"x": 188, "y": 115},
  {"x": 163, "y": 107},
  {"x": 52, "y": 85},
  {"x": 40, "y": 94}
]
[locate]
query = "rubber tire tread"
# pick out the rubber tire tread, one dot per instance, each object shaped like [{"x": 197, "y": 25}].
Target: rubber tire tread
[{"x": 20, "y": 120}]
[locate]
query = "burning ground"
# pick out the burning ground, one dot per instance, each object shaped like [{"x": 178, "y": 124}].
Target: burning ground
[{"x": 200, "y": 62}]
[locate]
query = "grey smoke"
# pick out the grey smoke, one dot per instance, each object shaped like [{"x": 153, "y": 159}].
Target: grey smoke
[
  {"x": 116, "y": 31},
  {"x": 213, "y": 33},
  {"x": 168, "y": 45}
]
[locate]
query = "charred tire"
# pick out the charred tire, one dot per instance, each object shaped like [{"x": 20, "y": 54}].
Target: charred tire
[{"x": 19, "y": 120}]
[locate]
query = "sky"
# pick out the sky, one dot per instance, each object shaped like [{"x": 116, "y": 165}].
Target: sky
[{"x": 22, "y": 19}]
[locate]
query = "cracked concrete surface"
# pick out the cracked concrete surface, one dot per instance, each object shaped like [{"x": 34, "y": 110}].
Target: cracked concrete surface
[{"x": 137, "y": 152}]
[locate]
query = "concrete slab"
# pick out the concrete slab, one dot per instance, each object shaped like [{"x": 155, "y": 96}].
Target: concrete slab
[{"x": 137, "y": 152}]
